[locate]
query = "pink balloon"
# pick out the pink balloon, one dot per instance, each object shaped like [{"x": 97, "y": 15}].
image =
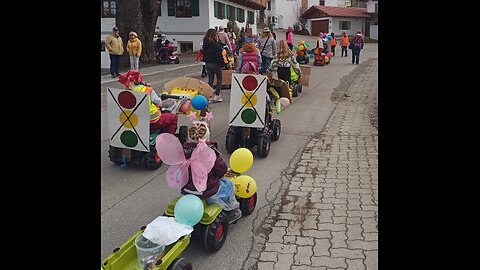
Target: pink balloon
[
  {"x": 329, "y": 54},
  {"x": 284, "y": 101},
  {"x": 185, "y": 107}
]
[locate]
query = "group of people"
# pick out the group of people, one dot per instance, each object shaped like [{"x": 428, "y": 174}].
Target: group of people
[
  {"x": 255, "y": 55},
  {"x": 114, "y": 44}
]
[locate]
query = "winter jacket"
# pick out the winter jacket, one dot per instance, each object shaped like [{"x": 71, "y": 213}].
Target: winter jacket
[
  {"x": 270, "y": 47},
  {"x": 134, "y": 47},
  {"x": 224, "y": 39},
  {"x": 214, "y": 176},
  {"x": 212, "y": 52},
  {"x": 114, "y": 45},
  {"x": 288, "y": 62},
  {"x": 358, "y": 41},
  {"x": 289, "y": 38}
]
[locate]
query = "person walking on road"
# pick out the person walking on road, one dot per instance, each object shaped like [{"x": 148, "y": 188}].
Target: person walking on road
[
  {"x": 344, "y": 44},
  {"x": 134, "y": 49},
  {"x": 212, "y": 56},
  {"x": 333, "y": 43},
  {"x": 114, "y": 46},
  {"x": 268, "y": 49},
  {"x": 289, "y": 38},
  {"x": 357, "y": 45},
  {"x": 224, "y": 37}
]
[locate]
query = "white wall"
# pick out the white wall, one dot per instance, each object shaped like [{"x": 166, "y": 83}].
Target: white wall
[
  {"x": 330, "y": 3},
  {"x": 106, "y": 25},
  {"x": 371, "y": 6},
  {"x": 334, "y": 25},
  {"x": 355, "y": 25},
  {"x": 374, "y": 32},
  {"x": 217, "y": 22},
  {"x": 289, "y": 9}
]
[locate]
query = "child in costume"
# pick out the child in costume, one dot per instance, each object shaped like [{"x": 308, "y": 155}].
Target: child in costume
[
  {"x": 197, "y": 168},
  {"x": 249, "y": 58}
]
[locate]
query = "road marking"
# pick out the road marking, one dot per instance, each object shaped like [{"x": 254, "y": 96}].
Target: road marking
[{"x": 151, "y": 73}]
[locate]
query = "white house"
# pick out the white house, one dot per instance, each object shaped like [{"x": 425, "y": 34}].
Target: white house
[
  {"x": 372, "y": 9},
  {"x": 188, "y": 29},
  {"x": 284, "y": 13},
  {"x": 330, "y": 19},
  {"x": 186, "y": 21}
]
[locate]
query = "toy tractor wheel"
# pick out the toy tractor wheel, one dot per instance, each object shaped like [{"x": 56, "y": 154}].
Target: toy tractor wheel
[
  {"x": 114, "y": 154},
  {"x": 298, "y": 88},
  {"x": 180, "y": 264},
  {"x": 176, "y": 61},
  {"x": 183, "y": 134},
  {"x": 215, "y": 233},
  {"x": 263, "y": 147},
  {"x": 152, "y": 160},
  {"x": 276, "y": 129},
  {"x": 247, "y": 205},
  {"x": 295, "y": 91},
  {"x": 231, "y": 140}
]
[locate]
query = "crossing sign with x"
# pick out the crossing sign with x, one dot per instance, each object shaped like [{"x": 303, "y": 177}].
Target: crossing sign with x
[
  {"x": 128, "y": 119},
  {"x": 248, "y": 100}
]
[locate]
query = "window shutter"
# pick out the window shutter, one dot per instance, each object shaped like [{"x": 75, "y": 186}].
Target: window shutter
[
  {"x": 195, "y": 8},
  {"x": 171, "y": 7}
]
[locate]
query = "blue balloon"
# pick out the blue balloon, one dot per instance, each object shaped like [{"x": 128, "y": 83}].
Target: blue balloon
[
  {"x": 199, "y": 102},
  {"x": 329, "y": 37},
  {"x": 188, "y": 210},
  {"x": 311, "y": 55}
]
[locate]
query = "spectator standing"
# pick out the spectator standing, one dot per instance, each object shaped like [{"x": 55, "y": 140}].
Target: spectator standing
[
  {"x": 344, "y": 44},
  {"x": 114, "y": 46},
  {"x": 134, "y": 49}
]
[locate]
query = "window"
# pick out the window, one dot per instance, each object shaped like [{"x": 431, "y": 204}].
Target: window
[
  {"x": 103, "y": 46},
  {"x": 250, "y": 17},
  {"x": 230, "y": 13},
  {"x": 322, "y": 3},
  {"x": 183, "y": 8},
  {"x": 219, "y": 10},
  {"x": 240, "y": 15},
  {"x": 376, "y": 8},
  {"x": 109, "y": 8},
  {"x": 269, "y": 6},
  {"x": 344, "y": 25},
  {"x": 160, "y": 9}
]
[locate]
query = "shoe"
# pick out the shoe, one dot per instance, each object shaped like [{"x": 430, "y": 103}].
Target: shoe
[
  {"x": 216, "y": 99},
  {"x": 203, "y": 76},
  {"x": 234, "y": 215},
  {"x": 114, "y": 76}
]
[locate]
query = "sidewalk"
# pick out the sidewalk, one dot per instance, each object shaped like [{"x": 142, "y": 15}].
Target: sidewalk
[{"x": 326, "y": 213}]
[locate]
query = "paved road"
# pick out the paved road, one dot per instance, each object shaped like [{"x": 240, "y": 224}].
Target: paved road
[{"x": 133, "y": 197}]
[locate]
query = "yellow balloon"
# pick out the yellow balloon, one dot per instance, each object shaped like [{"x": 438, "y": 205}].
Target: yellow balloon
[
  {"x": 301, "y": 47},
  {"x": 245, "y": 186},
  {"x": 327, "y": 59},
  {"x": 241, "y": 160}
]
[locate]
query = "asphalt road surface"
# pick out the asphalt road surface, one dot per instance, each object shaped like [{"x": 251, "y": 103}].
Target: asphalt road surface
[{"x": 132, "y": 197}]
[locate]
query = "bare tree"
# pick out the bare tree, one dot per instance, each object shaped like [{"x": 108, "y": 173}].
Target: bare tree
[{"x": 139, "y": 16}]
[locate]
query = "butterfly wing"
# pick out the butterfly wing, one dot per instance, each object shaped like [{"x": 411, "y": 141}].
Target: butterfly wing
[
  {"x": 170, "y": 150},
  {"x": 202, "y": 161}
]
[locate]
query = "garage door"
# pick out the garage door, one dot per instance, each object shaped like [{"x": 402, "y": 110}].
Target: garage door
[{"x": 319, "y": 26}]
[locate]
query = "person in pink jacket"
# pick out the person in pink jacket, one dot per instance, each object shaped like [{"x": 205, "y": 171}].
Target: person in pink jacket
[{"x": 289, "y": 38}]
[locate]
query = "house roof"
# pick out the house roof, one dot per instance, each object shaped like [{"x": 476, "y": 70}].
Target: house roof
[
  {"x": 255, "y": 4},
  {"x": 336, "y": 12}
]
